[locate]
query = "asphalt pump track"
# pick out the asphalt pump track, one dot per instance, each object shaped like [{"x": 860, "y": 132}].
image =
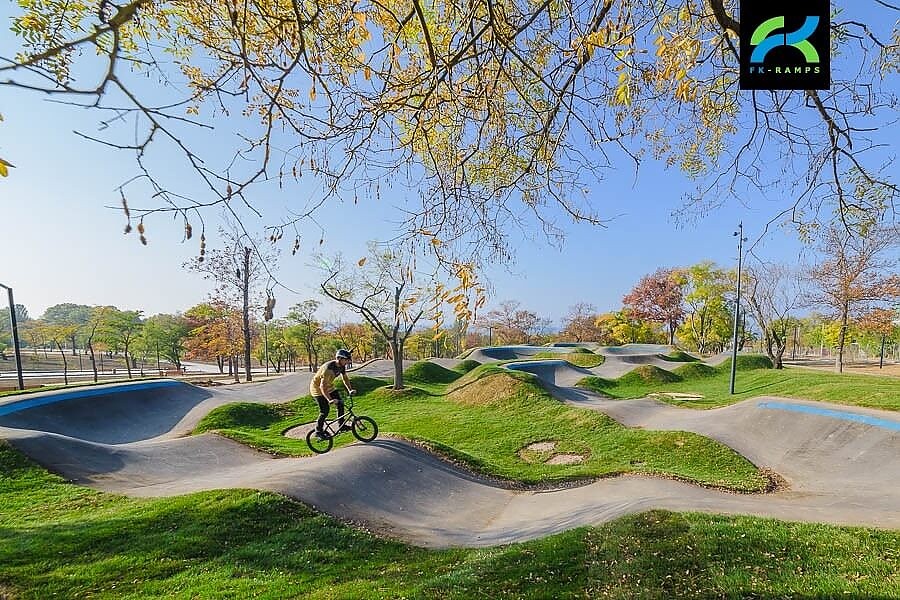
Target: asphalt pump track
[{"x": 840, "y": 464}]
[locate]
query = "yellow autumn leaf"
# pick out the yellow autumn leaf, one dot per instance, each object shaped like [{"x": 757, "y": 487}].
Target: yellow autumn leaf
[
  {"x": 312, "y": 94},
  {"x": 361, "y": 261},
  {"x": 435, "y": 242},
  {"x": 360, "y": 19},
  {"x": 367, "y": 73},
  {"x": 4, "y": 168}
]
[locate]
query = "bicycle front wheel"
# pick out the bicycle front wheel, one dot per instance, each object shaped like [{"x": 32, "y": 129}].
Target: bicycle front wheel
[
  {"x": 319, "y": 446},
  {"x": 365, "y": 429}
]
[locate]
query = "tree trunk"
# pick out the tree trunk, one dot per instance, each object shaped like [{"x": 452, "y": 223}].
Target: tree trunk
[
  {"x": 247, "y": 365},
  {"x": 90, "y": 346},
  {"x": 127, "y": 362},
  {"x": 842, "y": 337},
  {"x": 62, "y": 353},
  {"x": 397, "y": 352},
  {"x": 73, "y": 346},
  {"x": 237, "y": 368}
]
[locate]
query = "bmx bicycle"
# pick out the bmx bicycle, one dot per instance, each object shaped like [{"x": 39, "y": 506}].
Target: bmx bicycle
[{"x": 362, "y": 427}]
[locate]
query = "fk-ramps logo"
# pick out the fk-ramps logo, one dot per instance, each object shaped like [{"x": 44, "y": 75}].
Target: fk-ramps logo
[{"x": 785, "y": 45}]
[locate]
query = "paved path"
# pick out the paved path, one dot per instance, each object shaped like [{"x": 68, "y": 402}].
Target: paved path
[{"x": 841, "y": 466}]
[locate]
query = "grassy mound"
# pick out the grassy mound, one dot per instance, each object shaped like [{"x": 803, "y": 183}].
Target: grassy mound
[
  {"x": 678, "y": 356},
  {"x": 493, "y": 389},
  {"x": 428, "y": 372},
  {"x": 648, "y": 374},
  {"x": 241, "y": 414},
  {"x": 747, "y": 362},
  {"x": 583, "y": 351},
  {"x": 585, "y": 359},
  {"x": 466, "y": 366},
  {"x": 695, "y": 370}
]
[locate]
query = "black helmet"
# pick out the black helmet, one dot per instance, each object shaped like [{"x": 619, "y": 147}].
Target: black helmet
[{"x": 342, "y": 353}]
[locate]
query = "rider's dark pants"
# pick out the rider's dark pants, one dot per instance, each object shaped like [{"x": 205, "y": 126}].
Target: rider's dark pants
[{"x": 324, "y": 408}]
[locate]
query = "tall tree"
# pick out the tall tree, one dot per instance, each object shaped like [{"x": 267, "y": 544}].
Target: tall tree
[
  {"x": 214, "y": 334},
  {"x": 854, "y": 276},
  {"x": 238, "y": 269},
  {"x": 92, "y": 330},
  {"x": 121, "y": 328},
  {"x": 512, "y": 324},
  {"x": 304, "y": 315},
  {"x": 658, "y": 297},
  {"x": 58, "y": 335},
  {"x": 6, "y": 338},
  {"x": 773, "y": 293},
  {"x": 166, "y": 334},
  {"x": 579, "y": 323},
  {"x": 67, "y": 314},
  {"x": 882, "y": 324},
  {"x": 705, "y": 287},
  {"x": 388, "y": 292}
]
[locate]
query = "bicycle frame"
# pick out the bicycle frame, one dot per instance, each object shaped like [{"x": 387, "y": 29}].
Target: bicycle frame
[{"x": 331, "y": 426}]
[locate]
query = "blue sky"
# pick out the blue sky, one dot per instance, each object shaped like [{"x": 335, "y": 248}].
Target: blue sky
[{"x": 61, "y": 243}]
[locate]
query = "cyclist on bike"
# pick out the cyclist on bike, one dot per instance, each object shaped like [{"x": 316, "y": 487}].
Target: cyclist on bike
[{"x": 322, "y": 389}]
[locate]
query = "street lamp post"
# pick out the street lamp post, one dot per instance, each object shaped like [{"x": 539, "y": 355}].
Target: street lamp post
[
  {"x": 15, "y": 334},
  {"x": 737, "y": 303},
  {"x": 266, "y": 337}
]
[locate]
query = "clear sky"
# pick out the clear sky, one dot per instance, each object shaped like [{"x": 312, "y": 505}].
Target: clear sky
[{"x": 60, "y": 242}]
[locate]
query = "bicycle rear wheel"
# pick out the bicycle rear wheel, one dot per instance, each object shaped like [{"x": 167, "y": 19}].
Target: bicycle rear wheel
[
  {"x": 365, "y": 429},
  {"x": 317, "y": 445}
]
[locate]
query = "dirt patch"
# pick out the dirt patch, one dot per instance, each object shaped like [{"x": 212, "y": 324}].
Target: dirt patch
[
  {"x": 565, "y": 459},
  {"x": 541, "y": 446},
  {"x": 546, "y": 452},
  {"x": 299, "y": 432}
]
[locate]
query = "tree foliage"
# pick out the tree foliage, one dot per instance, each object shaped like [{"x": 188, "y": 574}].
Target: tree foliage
[
  {"x": 658, "y": 297},
  {"x": 773, "y": 294},
  {"x": 857, "y": 273},
  {"x": 500, "y": 112},
  {"x": 708, "y": 322}
]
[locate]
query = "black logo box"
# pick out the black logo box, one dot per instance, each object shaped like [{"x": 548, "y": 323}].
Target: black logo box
[{"x": 785, "y": 67}]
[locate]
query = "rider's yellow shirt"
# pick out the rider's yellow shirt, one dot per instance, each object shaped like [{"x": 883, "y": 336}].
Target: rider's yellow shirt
[{"x": 324, "y": 377}]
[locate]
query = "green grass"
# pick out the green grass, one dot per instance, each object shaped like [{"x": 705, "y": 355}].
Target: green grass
[
  {"x": 580, "y": 358},
  {"x": 678, "y": 356},
  {"x": 62, "y": 541},
  {"x": 485, "y": 417},
  {"x": 467, "y": 365},
  {"x": 429, "y": 372},
  {"x": 754, "y": 379}
]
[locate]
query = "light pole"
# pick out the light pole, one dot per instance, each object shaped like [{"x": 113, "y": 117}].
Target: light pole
[
  {"x": 266, "y": 337},
  {"x": 15, "y": 334},
  {"x": 737, "y": 302}
]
